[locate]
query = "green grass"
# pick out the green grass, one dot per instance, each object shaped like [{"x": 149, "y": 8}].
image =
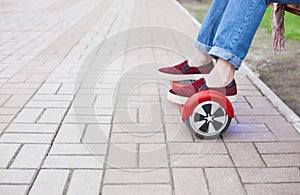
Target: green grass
[
  {"x": 200, "y": 15},
  {"x": 291, "y": 23}
]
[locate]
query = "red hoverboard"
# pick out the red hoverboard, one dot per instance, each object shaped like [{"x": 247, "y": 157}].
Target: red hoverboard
[{"x": 207, "y": 113}]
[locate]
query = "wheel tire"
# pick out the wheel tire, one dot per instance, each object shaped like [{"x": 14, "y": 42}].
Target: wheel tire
[{"x": 208, "y": 120}]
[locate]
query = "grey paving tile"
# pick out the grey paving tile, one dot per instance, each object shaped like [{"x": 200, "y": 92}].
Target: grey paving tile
[
  {"x": 223, "y": 181},
  {"x": 32, "y": 128},
  {"x": 26, "y": 138},
  {"x": 206, "y": 160},
  {"x": 189, "y": 181},
  {"x": 85, "y": 182},
  {"x": 52, "y": 180},
  {"x": 7, "y": 152},
  {"x": 13, "y": 189},
  {"x": 135, "y": 176},
  {"x": 138, "y": 189},
  {"x": 122, "y": 155},
  {"x": 78, "y": 149},
  {"x": 30, "y": 156},
  {"x": 69, "y": 162},
  {"x": 278, "y": 147},
  {"x": 11, "y": 176},
  {"x": 244, "y": 155},
  {"x": 269, "y": 175},
  {"x": 153, "y": 155},
  {"x": 283, "y": 188}
]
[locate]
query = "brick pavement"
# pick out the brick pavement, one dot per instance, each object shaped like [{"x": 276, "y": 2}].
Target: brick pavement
[{"x": 63, "y": 135}]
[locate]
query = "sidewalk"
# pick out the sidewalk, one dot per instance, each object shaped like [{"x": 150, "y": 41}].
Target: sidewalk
[{"x": 83, "y": 116}]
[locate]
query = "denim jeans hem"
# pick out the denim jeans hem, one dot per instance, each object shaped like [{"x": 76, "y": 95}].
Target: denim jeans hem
[
  {"x": 217, "y": 52},
  {"x": 226, "y": 55},
  {"x": 203, "y": 47}
]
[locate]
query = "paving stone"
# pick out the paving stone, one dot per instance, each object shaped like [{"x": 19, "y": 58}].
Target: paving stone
[
  {"x": 13, "y": 189},
  {"x": 259, "y": 102},
  {"x": 32, "y": 128},
  {"x": 66, "y": 89},
  {"x": 7, "y": 152},
  {"x": 281, "y": 160},
  {"x": 52, "y": 115},
  {"x": 105, "y": 101},
  {"x": 30, "y": 156},
  {"x": 19, "y": 78},
  {"x": 84, "y": 100},
  {"x": 69, "y": 133},
  {"x": 171, "y": 111},
  {"x": 6, "y": 118},
  {"x": 249, "y": 93},
  {"x": 17, "y": 100},
  {"x": 150, "y": 113},
  {"x": 9, "y": 111},
  {"x": 28, "y": 115},
  {"x": 137, "y": 128},
  {"x": 137, "y": 137},
  {"x": 261, "y": 189},
  {"x": 278, "y": 147},
  {"x": 153, "y": 155},
  {"x": 241, "y": 111},
  {"x": 241, "y": 105},
  {"x": 2, "y": 127},
  {"x": 122, "y": 155},
  {"x": 3, "y": 98},
  {"x": 178, "y": 132},
  {"x": 172, "y": 119},
  {"x": 78, "y": 149},
  {"x": 283, "y": 131},
  {"x": 126, "y": 115},
  {"x": 47, "y": 104},
  {"x": 134, "y": 176},
  {"x": 96, "y": 133},
  {"x": 197, "y": 148},
  {"x": 92, "y": 119},
  {"x": 49, "y": 88},
  {"x": 244, "y": 155},
  {"x": 74, "y": 162},
  {"x": 189, "y": 181},
  {"x": 148, "y": 189},
  {"x": 52, "y": 97},
  {"x": 269, "y": 175},
  {"x": 52, "y": 180},
  {"x": 25, "y": 138},
  {"x": 223, "y": 181},
  {"x": 206, "y": 160},
  {"x": 90, "y": 111},
  {"x": 10, "y": 176},
  {"x": 249, "y": 137},
  {"x": 247, "y": 128},
  {"x": 85, "y": 182},
  {"x": 259, "y": 119}
]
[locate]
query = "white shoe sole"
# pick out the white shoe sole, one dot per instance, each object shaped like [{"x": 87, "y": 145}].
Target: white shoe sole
[
  {"x": 180, "y": 77},
  {"x": 182, "y": 100}
]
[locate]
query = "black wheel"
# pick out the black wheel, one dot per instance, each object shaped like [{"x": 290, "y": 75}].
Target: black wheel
[{"x": 208, "y": 120}]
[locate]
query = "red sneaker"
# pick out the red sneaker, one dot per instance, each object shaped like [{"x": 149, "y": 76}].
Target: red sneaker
[
  {"x": 181, "y": 95},
  {"x": 183, "y": 71}
]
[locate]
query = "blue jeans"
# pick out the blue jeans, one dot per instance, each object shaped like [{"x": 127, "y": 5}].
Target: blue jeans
[{"x": 229, "y": 27}]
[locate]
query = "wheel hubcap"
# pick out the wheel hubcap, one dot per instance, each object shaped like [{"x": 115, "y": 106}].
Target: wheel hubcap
[{"x": 208, "y": 118}]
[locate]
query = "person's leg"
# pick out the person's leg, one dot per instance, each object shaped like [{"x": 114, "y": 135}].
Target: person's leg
[
  {"x": 233, "y": 38},
  {"x": 207, "y": 31}
]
